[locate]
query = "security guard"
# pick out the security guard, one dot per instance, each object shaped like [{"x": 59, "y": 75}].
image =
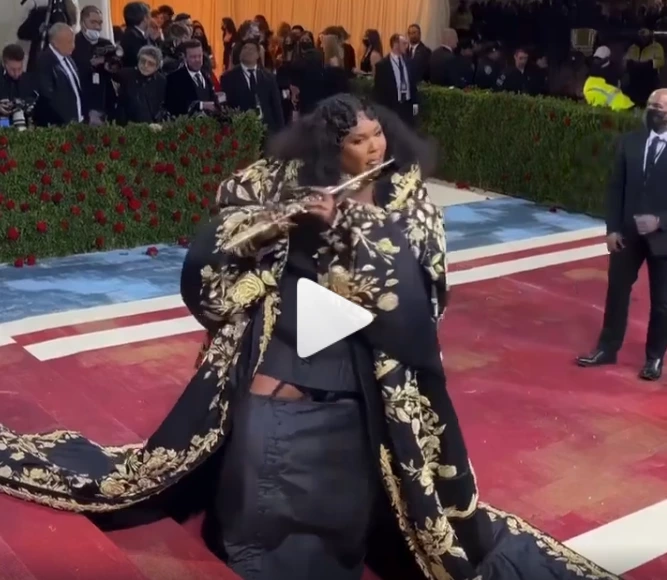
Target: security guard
[
  {"x": 489, "y": 68},
  {"x": 645, "y": 60},
  {"x": 597, "y": 91}
]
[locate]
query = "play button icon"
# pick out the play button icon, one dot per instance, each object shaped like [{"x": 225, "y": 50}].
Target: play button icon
[{"x": 323, "y": 318}]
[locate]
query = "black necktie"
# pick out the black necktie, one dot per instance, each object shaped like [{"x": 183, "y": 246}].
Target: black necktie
[
  {"x": 651, "y": 156},
  {"x": 403, "y": 89},
  {"x": 199, "y": 80},
  {"x": 253, "y": 81}
]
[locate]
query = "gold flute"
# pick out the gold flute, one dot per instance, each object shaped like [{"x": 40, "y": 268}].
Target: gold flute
[{"x": 280, "y": 223}]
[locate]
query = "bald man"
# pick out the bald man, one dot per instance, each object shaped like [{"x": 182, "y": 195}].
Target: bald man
[
  {"x": 637, "y": 233},
  {"x": 447, "y": 68},
  {"x": 60, "y": 97}
]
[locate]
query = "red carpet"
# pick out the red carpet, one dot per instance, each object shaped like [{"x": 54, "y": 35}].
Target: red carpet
[{"x": 566, "y": 448}]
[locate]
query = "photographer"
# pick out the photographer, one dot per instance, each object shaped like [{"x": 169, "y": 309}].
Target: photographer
[
  {"x": 15, "y": 85},
  {"x": 172, "y": 51},
  {"x": 96, "y": 60}
]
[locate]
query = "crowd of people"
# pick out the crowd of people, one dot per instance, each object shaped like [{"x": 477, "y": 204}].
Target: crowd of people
[{"x": 161, "y": 65}]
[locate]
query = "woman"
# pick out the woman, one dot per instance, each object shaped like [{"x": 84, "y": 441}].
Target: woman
[
  {"x": 285, "y": 76},
  {"x": 142, "y": 90},
  {"x": 315, "y": 451},
  {"x": 372, "y": 52},
  {"x": 307, "y": 74},
  {"x": 229, "y": 38},
  {"x": 334, "y": 78}
]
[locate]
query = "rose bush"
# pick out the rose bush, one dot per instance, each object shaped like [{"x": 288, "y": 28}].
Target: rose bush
[
  {"x": 80, "y": 189},
  {"x": 552, "y": 151}
]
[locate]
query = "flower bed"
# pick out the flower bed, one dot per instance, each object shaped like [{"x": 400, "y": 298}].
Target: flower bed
[
  {"x": 551, "y": 151},
  {"x": 81, "y": 189}
]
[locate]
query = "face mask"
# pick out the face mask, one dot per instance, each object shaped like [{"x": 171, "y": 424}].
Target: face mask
[
  {"x": 92, "y": 35},
  {"x": 655, "y": 120}
]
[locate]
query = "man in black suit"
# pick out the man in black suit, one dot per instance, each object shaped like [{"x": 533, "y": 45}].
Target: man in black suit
[
  {"x": 61, "y": 99},
  {"x": 137, "y": 17},
  {"x": 637, "y": 232},
  {"x": 95, "y": 74},
  {"x": 419, "y": 55},
  {"x": 190, "y": 89},
  {"x": 249, "y": 87},
  {"x": 395, "y": 86},
  {"x": 446, "y": 67}
]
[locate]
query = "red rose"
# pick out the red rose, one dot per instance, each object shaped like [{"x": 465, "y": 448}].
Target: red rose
[
  {"x": 58, "y": 163},
  {"x": 99, "y": 242},
  {"x": 185, "y": 161},
  {"x": 4, "y": 141},
  {"x": 118, "y": 228},
  {"x": 101, "y": 189},
  {"x": 42, "y": 227},
  {"x": 144, "y": 193},
  {"x": 152, "y": 252},
  {"x": 235, "y": 145},
  {"x": 81, "y": 196},
  {"x": 204, "y": 202},
  {"x": 127, "y": 192},
  {"x": 208, "y": 154},
  {"x": 32, "y": 188},
  {"x": 208, "y": 187},
  {"x": 180, "y": 181},
  {"x": 152, "y": 207},
  {"x": 46, "y": 179},
  {"x": 159, "y": 168},
  {"x": 13, "y": 234},
  {"x": 190, "y": 129},
  {"x": 134, "y": 204},
  {"x": 120, "y": 208},
  {"x": 176, "y": 216},
  {"x": 217, "y": 138},
  {"x": 18, "y": 263},
  {"x": 84, "y": 174},
  {"x": 79, "y": 138},
  {"x": 159, "y": 146},
  {"x": 192, "y": 150},
  {"x": 170, "y": 193},
  {"x": 99, "y": 167},
  {"x": 205, "y": 170},
  {"x": 57, "y": 198},
  {"x": 67, "y": 176},
  {"x": 24, "y": 207},
  {"x": 106, "y": 140},
  {"x": 173, "y": 146},
  {"x": 10, "y": 204},
  {"x": 136, "y": 217},
  {"x": 462, "y": 185},
  {"x": 183, "y": 136},
  {"x": 75, "y": 210},
  {"x": 4, "y": 154},
  {"x": 31, "y": 260},
  {"x": 170, "y": 169},
  {"x": 90, "y": 149},
  {"x": 195, "y": 218},
  {"x": 66, "y": 148},
  {"x": 64, "y": 224},
  {"x": 183, "y": 242},
  {"x": 217, "y": 169},
  {"x": 100, "y": 217},
  {"x": 45, "y": 197},
  {"x": 120, "y": 179},
  {"x": 114, "y": 155},
  {"x": 154, "y": 221},
  {"x": 192, "y": 198},
  {"x": 226, "y": 131},
  {"x": 40, "y": 164},
  {"x": 122, "y": 140}
]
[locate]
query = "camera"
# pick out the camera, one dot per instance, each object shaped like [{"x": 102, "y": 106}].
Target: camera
[
  {"x": 112, "y": 55},
  {"x": 20, "y": 113}
]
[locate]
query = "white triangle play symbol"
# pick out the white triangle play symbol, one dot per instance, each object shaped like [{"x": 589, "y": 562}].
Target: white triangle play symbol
[{"x": 323, "y": 318}]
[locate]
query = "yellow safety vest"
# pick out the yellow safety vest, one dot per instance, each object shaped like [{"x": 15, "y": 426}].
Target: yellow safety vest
[
  {"x": 653, "y": 52},
  {"x": 599, "y": 93}
]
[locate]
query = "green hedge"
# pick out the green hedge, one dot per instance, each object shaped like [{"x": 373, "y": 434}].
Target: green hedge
[
  {"x": 551, "y": 151},
  {"x": 81, "y": 189}
]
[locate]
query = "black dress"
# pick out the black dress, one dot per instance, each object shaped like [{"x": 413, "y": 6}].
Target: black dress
[{"x": 365, "y": 64}]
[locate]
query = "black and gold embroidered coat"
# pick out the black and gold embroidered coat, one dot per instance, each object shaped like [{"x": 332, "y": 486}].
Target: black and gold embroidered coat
[{"x": 390, "y": 259}]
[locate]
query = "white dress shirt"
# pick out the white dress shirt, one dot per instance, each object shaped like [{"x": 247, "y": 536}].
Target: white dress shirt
[
  {"x": 197, "y": 78},
  {"x": 661, "y": 145},
  {"x": 395, "y": 60},
  {"x": 68, "y": 68}
]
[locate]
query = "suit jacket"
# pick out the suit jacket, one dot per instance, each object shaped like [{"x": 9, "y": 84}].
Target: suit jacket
[
  {"x": 420, "y": 62},
  {"x": 237, "y": 91},
  {"x": 99, "y": 96},
  {"x": 385, "y": 91},
  {"x": 447, "y": 69},
  {"x": 182, "y": 91},
  {"x": 23, "y": 88},
  {"x": 131, "y": 42},
  {"x": 629, "y": 193},
  {"x": 56, "y": 104},
  {"x": 140, "y": 99}
]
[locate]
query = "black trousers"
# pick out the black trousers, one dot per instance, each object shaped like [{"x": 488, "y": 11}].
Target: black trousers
[
  {"x": 623, "y": 271},
  {"x": 297, "y": 490}
]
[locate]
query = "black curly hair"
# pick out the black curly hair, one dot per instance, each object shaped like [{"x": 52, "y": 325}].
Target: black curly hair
[{"x": 316, "y": 140}]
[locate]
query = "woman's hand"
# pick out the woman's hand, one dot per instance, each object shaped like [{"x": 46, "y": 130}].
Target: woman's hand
[{"x": 323, "y": 206}]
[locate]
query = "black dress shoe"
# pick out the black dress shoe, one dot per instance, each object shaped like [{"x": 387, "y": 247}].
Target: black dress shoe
[
  {"x": 652, "y": 370},
  {"x": 597, "y": 358}
]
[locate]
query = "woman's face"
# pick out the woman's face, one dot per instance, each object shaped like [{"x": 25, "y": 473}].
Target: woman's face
[
  {"x": 363, "y": 147},
  {"x": 197, "y": 32},
  {"x": 147, "y": 65}
]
